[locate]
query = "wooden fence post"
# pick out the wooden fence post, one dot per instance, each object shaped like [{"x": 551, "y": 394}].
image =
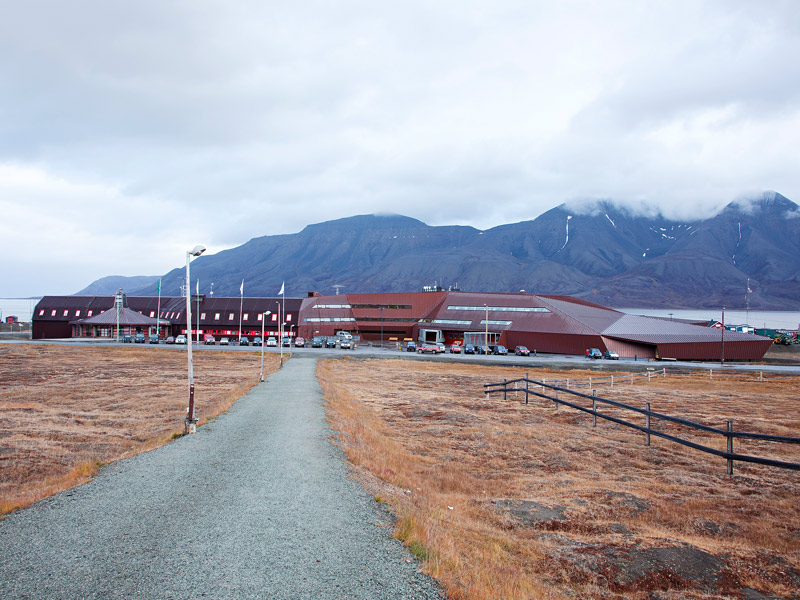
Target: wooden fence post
[
  {"x": 505, "y": 389},
  {"x": 526, "y": 388},
  {"x": 567, "y": 386},
  {"x": 711, "y": 374},
  {"x": 594, "y": 409},
  {"x": 612, "y": 381},
  {"x": 730, "y": 447},
  {"x": 761, "y": 375},
  {"x": 590, "y": 382},
  {"x": 555, "y": 404},
  {"x": 647, "y": 424}
]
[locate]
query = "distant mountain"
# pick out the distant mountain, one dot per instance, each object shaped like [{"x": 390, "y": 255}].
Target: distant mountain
[
  {"x": 108, "y": 286},
  {"x": 600, "y": 252}
]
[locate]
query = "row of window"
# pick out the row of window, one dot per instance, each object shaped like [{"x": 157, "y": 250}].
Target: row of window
[
  {"x": 328, "y": 319},
  {"x": 502, "y": 308},
  {"x": 331, "y": 306},
  {"x": 379, "y": 306}
]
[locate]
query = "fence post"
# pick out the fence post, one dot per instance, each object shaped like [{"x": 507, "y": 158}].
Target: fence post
[
  {"x": 648, "y": 376},
  {"x": 526, "y": 388},
  {"x": 556, "y": 396},
  {"x": 711, "y": 374},
  {"x": 594, "y": 409},
  {"x": 612, "y": 381},
  {"x": 590, "y": 382},
  {"x": 647, "y": 424},
  {"x": 761, "y": 375},
  {"x": 664, "y": 372},
  {"x": 567, "y": 386},
  {"x": 730, "y": 447},
  {"x": 505, "y": 389}
]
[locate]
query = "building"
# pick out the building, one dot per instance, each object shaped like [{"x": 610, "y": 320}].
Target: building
[{"x": 547, "y": 324}]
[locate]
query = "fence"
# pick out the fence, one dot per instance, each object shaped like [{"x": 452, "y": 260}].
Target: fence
[
  {"x": 729, "y": 434},
  {"x": 590, "y": 382}
]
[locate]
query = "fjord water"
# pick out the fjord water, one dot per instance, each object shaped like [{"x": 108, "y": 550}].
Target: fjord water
[
  {"x": 22, "y": 308},
  {"x": 768, "y": 319}
]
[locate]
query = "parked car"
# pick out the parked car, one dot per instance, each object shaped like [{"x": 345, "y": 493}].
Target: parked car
[
  {"x": 330, "y": 343},
  {"x": 286, "y": 341},
  {"x": 271, "y": 342},
  {"x": 300, "y": 343},
  {"x": 345, "y": 344},
  {"x": 209, "y": 340},
  {"x": 469, "y": 349},
  {"x": 428, "y": 349},
  {"x": 442, "y": 347},
  {"x": 127, "y": 339},
  {"x": 256, "y": 341},
  {"x": 610, "y": 355},
  {"x": 170, "y": 340},
  {"x": 244, "y": 341},
  {"x": 181, "y": 339},
  {"x": 455, "y": 349},
  {"x": 154, "y": 339},
  {"x": 224, "y": 341},
  {"x": 522, "y": 351},
  {"x": 411, "y": 347},
  {"x": 500, "y": 350},
  {"x": 594, "y": 353},
  {"x": 317, "y": 342},
  {"x": 139, "y": 338}
]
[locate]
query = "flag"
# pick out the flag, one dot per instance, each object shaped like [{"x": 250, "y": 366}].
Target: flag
[
  {"x": 281, "y": 292},
  {"x": 241, "y": 288},
  {"x": 159, "y": 286},
  {"x": 197, "y": 289}
]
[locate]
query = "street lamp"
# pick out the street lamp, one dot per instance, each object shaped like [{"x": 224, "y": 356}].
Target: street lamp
[
  {"x": 381, "y": 309},
  {"x": 263, "y": 320},
  {"x": 191, "y": 421},
  {"x": 486, "y": 347},
  {"x": 280, "y": 330}
]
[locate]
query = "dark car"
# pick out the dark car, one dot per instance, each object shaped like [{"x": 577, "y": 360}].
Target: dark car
[
  {"x": 256, "y": 341},
  {"x": 501, "y": 350},
  {"x": 170, "y": 340},
  {"x": 244, "y": 341},
  {"x": 483, "y": 349},
  {"x": 345, "y": 344},
  {"x": 139, "y": 338},
  {"x": 154, "y": 339},
  {"x": 286, "y": 341},
  {"x": 594, "y": 353},
  {"x": 522, "y": 351},
  {"x": 411, "y": 347},
  {"x": 127, "y": 338},
  {"x": 469, "y": 349},
  {"x": 610, "y": 355},
  {"x": 330, "y": 343},
  {"x": 316, "y": 342}
]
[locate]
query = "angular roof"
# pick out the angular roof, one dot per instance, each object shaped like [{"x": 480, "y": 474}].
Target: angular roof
[{"x": 127, "y": 318}]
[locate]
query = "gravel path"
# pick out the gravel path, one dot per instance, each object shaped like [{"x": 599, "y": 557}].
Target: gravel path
[{"x": 257, "y": 504}]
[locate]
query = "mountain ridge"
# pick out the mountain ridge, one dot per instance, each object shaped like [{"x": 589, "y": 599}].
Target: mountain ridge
[{"x": 600, "y": 252}]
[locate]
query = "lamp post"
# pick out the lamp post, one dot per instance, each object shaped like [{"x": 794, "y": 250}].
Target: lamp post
[
  {"x": 486, "y": 346},
  {"x": 280, "y": 330},
  {"x": 263, "y": 320},
  {"x": 191, "y": 421}
]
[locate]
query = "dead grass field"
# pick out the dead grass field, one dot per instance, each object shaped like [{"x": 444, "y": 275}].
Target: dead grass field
[
  {"x": 64, "y": 411},
  {"x": 503, "y": 500}
]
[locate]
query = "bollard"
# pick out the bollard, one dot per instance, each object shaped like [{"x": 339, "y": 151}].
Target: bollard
[
  {"x": 647, "y": 424},
  {"x": 534, "y": 351},
  {"x": 505, "y": 389},
  {"x": 526, "y": 388},
  {"x": 594, "y": 409},
  {"x": 635, "y": 357}
]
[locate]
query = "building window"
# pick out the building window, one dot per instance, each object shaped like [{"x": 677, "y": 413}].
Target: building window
[
  {"x": 66, "y": 312},
  {"x": 41, "y": 312},
  {"x": 203, "y": 316},
  {"x": 503, "y": 323},
  {"x": 289, "y": 317},
  {"x": 244, "y": 316},
  {"x": 260, "y": 317},
  {"x": 274, "y": 317},
  {"x": 332, "y": 306},
  {"x": 152, "y": 314},
  {"x": 502, "y": 308},
  {"x": 450, "y": 322},
  {"x": 216, "y": 316},
  {"x": 90, "y": 313},
  {"x": 230, "y": 316}
]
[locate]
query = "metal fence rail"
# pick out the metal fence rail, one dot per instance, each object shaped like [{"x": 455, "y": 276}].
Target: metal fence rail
[{"x": 511, "y": 386}]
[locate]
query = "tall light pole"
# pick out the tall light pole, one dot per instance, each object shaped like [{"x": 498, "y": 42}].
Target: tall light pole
[
  {"x": 191, "y": 421},
  {"x": 263, "y": 342},
  {"x": 280, "y": 330},
  {"x": 486, "y": 347},
  {"x": 382, "y": 307}
]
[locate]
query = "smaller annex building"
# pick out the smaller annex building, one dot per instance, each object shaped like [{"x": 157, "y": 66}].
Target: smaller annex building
[{"x": 545, "y": 323}]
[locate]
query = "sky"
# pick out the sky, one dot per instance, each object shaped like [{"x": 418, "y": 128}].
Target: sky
[{"x": 130, "y": 132}]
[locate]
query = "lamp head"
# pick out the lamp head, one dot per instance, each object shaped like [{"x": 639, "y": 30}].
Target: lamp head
[{"x": 197, "y": 250}]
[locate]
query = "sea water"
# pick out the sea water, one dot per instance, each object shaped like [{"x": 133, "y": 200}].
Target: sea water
[
  {"x": 767, "y": 319},
  {"x": 22, "y": 308}
]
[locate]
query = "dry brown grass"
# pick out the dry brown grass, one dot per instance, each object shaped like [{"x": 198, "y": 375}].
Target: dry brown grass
[
  {"x": 457, "y": 467},
  {"x": 65, "y": 411}
]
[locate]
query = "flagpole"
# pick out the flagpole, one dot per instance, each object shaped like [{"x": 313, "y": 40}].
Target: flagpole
[
  {"x": 241, "y": 304},
  {"x": 158, "y": 310},
  {"x": 197, "y": 337}
]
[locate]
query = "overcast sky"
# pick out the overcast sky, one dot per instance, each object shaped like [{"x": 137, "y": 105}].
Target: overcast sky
[{"x": 131, "y": 131}]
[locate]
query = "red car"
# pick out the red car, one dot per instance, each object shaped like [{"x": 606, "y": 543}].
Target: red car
[
  {"x": 428, "y": 348},
  {"x": 455, "y": 349}
]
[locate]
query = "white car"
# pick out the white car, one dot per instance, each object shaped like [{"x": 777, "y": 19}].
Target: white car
[
  {"x": 271, "y": 341},
  {"x": 181, "y": 339}
]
